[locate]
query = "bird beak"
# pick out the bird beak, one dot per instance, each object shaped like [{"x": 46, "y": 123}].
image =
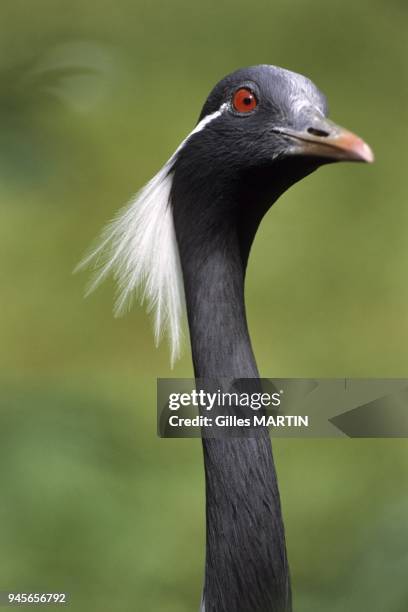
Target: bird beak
[{"x": 328, "y": 141}]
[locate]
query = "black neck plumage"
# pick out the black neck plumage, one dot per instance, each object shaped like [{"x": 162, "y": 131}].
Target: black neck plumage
[{"x": 246, "y": 562}]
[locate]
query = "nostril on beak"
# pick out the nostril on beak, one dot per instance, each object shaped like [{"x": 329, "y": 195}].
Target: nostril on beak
[{"x": 316, "y": 132}]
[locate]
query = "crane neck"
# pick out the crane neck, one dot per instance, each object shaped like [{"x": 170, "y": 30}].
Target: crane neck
[
  {"x": 246, "y": 562},
  {"x": 214, "y": 289},
  {"x": 215, "y": 227}
]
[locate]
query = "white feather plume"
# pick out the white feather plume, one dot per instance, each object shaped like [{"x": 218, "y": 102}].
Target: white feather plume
[{"x": 139, "y": 248}]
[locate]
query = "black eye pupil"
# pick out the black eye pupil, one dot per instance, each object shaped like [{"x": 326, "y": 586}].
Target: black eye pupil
[{"x": 247, "y": 101}]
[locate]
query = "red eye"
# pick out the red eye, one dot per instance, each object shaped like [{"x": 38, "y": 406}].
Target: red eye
[{"x": 244, "y": 100}]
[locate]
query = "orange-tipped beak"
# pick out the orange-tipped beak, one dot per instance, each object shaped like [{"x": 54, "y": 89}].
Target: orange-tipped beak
[{"x": 328, "y": 141}]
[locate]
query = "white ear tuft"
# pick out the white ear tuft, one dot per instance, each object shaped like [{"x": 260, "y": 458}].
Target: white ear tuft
[{"x": 139, "y": 248}]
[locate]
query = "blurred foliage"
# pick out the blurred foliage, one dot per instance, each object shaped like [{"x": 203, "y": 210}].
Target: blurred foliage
[{"x": 94, "y": 97}]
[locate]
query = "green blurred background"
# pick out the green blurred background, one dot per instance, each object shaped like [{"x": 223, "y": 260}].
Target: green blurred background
[{"x": 94, "y": 97}]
